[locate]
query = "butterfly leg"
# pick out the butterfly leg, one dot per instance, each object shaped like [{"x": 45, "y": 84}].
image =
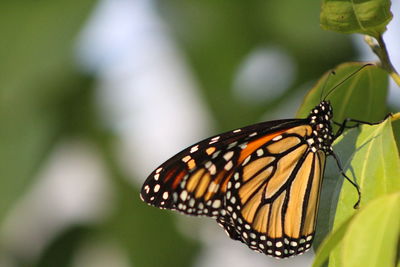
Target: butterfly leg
[
  {"x": 344, "y": 125},
  {"x": 348, "y": 179}
]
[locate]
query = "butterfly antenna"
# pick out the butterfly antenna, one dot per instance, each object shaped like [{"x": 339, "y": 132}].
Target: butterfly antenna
[
  {"x": 325, "y": 83},
  {"x": 345, "y": 79}
]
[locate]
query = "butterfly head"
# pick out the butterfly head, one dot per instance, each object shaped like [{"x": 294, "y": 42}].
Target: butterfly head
[
  {"x": 323, "y": 112},
  {"x": 320, "y": 120}
]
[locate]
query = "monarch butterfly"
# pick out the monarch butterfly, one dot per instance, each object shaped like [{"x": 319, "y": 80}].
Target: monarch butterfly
[{"x": 261, "y": 183}]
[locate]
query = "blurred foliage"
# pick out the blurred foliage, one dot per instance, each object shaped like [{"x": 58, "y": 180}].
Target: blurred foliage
[
  {"x": 149, "y": 236},
  {"x": 366, "y": 17},
  {"x": 218, "y": 35},
  {"x": 38, "y": 79},
  {"x": 45, "y": 97},
  {"x": 61, "y": 251}
]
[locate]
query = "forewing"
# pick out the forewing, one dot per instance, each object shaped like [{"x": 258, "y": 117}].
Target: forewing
[{"x": 195, "y": 180}]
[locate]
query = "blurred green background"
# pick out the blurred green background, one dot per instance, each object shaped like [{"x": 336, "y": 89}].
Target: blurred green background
[{"x": 95, "y": 94}]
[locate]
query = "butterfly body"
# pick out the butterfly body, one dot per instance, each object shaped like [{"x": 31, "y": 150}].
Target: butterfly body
[{"x": 261, "y": 182}]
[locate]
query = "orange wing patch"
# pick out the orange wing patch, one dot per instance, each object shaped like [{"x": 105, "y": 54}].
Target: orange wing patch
[
  {"x": 261, "y": 221},
  {"x": 252, "y": 168},
  {"x": 194, "y": 179},
  {"x": 203, "y": 185},
  {"x": 248, "y": 189},
  {"x": 254, "y": 145},
  {"x": 313, "y": 200},
  {"x": 275, "y": 224},
  {"x": 274, "y": 189},
  {"x": 285, "y": 167},
  {"x": 294, "y": 211},
  {"x": 283, "y": 145}
]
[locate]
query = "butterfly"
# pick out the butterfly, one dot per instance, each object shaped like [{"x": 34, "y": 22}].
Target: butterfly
[{"x": 261, "y": 183}]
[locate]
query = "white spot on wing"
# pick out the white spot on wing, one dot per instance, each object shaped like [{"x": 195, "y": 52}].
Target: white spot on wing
[
  {"x": 147, "y": 189},
  {"x": 208, "y": 164},
  {"x": 243, "y": 146},
  {"x": 228, "y": 155},
  {"x": 212, "y": 169},
  {"x": 216, "y": 204},
  {"x": 194, "y": 149},
  {"x": 228, "y": 166},
  {"x": 232, "y": 145},
  {"x": 253, "y": 134},
  {"x": 246, "y": 160},
  {"x": 215, "y": 138},
  {"x": 165, "y": 195},
  {"x": 184, "y": 195},
  {"x": 276, "y": 138},
  {"x": 186, "y": 158},
  {"x": 156, "y": 188}
]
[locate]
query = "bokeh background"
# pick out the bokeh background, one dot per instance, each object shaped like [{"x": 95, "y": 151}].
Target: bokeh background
[{"x": 96, "y": 94}]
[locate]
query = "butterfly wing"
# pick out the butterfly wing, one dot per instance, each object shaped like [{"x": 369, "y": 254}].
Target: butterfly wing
[
  {"x": 260, "y": 182},
  {"x": 193, "y": 179},
  {"x": 272, "y": 200}
]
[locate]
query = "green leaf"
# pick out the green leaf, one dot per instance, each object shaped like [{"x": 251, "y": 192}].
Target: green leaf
[
  {"x": 330, "y": 242},
  {"x": 369, "y": 238},
  {"x": 396, "y": 130},
  {"x": 374, "y": 163},
  {"x": 349, "y": 16},
  {"x": 370, "y": 158},
  {"x": 372, "y": 236},
  {"x": 361, "y": 97}
]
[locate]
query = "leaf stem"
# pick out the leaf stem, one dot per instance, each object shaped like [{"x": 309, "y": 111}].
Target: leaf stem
[{"x": 379, "y": 48}]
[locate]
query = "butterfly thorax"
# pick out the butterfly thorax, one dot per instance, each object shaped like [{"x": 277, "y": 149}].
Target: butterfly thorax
[{"x": 320, "y": 120}]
